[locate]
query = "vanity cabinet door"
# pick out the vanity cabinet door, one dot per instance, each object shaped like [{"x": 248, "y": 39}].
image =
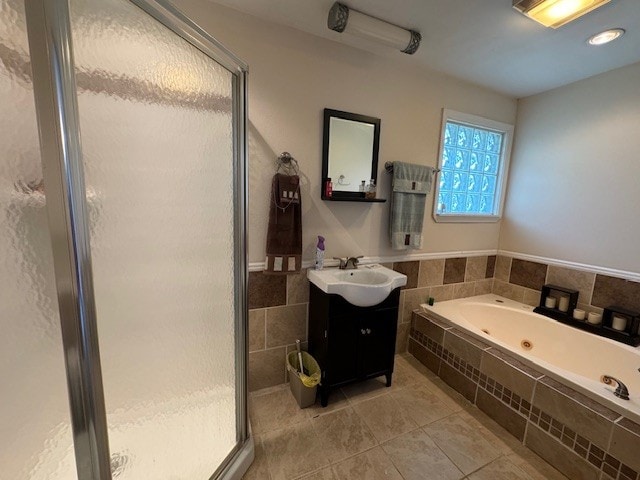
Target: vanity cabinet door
[
  {"x": 377, "y": 339},
  {"x": 344, "y": 335}
]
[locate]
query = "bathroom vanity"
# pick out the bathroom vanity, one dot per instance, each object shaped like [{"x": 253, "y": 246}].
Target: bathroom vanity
[{"x": 351, "y": 342}]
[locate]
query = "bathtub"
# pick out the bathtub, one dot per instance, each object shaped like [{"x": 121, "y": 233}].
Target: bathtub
[{"x": 566, "y": 354}]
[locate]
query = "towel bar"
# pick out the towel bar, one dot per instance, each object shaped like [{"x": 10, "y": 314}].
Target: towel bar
[{"x": 388, "y": 166}]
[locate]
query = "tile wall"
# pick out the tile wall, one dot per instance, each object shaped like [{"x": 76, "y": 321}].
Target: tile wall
[
  {"x": 442, "y": 279},
  {"x": 522, "y": 280},
  {"x": 278, "y": 311},
  {"x": 278, "y": 304},
  {"x": 278, "y": 307},
  {"x": 578, "y": 436}
]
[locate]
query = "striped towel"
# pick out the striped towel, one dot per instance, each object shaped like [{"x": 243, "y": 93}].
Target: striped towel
[{"x": 411, "y": 184}]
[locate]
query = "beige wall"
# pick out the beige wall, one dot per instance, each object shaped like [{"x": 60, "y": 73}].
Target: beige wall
[
  {"x": 573, "y": 188},
  {"x": 293, "y": 76}
]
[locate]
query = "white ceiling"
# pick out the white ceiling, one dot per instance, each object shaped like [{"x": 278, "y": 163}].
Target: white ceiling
[{"x": 485, "y": 42}]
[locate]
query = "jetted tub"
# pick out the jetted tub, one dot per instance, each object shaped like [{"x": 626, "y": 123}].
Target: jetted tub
[{"x": 567, "y": 354}]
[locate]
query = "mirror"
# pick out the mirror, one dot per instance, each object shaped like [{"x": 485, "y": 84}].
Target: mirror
[{"x": 349, "y": 153}]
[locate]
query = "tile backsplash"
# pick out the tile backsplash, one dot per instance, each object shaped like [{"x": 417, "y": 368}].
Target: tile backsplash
[{"x": 522, "y": 280}]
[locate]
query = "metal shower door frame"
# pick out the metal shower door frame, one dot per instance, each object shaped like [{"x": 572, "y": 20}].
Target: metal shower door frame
[{"x": 50, "y": 45}]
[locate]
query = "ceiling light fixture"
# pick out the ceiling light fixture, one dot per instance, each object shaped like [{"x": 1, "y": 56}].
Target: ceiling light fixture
[
  {"x": 606, "y": 36},
  {"x": 555, "y": 13},
  {"x": 343, "y": 19}
]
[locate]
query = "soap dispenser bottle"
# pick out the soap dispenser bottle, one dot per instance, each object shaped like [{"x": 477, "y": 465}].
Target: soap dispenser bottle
[{"x": 320, "y": 253}]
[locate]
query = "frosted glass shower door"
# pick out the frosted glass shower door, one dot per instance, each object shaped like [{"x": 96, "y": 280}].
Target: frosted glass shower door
[
  {"x": 157, "y": 126},
  {"x": 36, "y": 441}
]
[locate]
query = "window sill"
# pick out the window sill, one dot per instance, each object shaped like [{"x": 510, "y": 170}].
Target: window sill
[{"x": 466, "y": 218}]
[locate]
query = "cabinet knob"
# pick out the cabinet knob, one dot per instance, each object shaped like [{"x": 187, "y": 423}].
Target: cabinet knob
[
  {"x": 363, "y": 331},
  {"x": 368, "y": 331}
]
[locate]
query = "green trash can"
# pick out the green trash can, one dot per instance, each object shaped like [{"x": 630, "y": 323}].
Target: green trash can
[{"x": 303, "y": 385}]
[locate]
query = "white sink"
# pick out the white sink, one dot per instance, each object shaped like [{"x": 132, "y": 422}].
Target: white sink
[{"x": 363, "y": 287}]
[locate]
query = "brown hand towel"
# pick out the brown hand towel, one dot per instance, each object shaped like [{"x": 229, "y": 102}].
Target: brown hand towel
[{"x": 284, "y": 234}]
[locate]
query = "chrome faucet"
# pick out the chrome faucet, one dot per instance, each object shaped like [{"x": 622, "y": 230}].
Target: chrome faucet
[
  {"x": 353, "y": 261},
  {"x": 348, "y": 263},
  {"x": 621, "y": 390}
]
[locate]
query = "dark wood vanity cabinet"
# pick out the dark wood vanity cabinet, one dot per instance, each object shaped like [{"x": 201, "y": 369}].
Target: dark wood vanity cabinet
[{"x": 351, "y": 343}]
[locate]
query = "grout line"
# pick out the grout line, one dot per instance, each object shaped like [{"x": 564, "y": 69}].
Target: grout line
[
  {"x": 286, "y": 290},
  {"x": 593, "y": 289},
  {"x": 528, "y": 417},
  {"x": 273, "y": 348},
  {"x": 264, "y": 346},
  {"x": 332, "y": 464},
  {"x": 546, "y": 276},
  {"x": 486, "y": 464},
  {"x": 475, "y": 395},
  {"x": 610, "y": 440},
  {"x": 439, "y": 448}
]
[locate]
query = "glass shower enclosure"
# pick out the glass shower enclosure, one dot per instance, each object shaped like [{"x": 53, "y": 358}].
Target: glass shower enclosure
[{"x": 122, "y": 244}]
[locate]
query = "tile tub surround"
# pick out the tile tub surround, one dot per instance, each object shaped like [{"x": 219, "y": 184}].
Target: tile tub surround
[
  {"x": 580, "y": 437},
  {"x": 419, "y": 428},
  {"x": 278, "y": 307},
  {"x": 522, "y": 280},
  {"x": 443, "y": 279}
]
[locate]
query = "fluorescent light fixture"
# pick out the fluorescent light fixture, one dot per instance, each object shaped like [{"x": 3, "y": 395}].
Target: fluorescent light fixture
[
  {"x": 555, "y": 13},
  {"x": 606, "y": 36},
  {"x": 344, "y": 19}
]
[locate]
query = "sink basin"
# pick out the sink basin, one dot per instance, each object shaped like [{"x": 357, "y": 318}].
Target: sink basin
[{"x": 364, "y": 287}]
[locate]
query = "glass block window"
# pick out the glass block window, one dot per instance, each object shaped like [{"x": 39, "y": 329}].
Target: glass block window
[{"x": 473, "y": 158}]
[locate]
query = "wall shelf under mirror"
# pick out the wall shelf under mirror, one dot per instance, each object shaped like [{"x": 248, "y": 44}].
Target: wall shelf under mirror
[{"x": 354, "y": 199}]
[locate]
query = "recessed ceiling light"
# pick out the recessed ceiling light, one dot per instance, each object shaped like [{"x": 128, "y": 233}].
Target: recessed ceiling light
[{"x": 606, "y": 36}]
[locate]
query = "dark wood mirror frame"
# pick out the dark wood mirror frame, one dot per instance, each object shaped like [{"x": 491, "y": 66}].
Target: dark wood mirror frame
[{"x": 342, "y": 195}]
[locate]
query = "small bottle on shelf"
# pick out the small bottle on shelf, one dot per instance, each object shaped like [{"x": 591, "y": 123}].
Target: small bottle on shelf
[
  {"x": 328, "y": 188},
  {"x": 371, "y": 190}
]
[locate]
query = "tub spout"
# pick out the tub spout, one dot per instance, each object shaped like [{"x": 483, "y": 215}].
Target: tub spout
[{"x": 621, "y": 390}]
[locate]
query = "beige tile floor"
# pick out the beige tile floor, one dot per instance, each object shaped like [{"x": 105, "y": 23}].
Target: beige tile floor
[{"x": 419, "y": 428}]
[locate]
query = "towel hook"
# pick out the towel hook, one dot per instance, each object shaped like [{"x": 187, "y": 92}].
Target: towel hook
[
  {"x": 285, "y": 157},
  {"x": 287, "y": 162}
]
